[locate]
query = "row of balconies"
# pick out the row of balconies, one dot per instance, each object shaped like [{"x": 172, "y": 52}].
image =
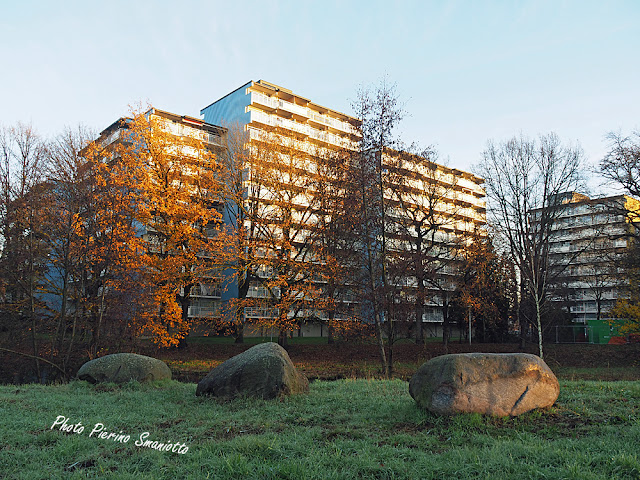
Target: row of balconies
[
  {"x": 577, "y": 247},
  {"x": 590, "y": 308},
  {"x": 306, "y": 113},
  {"x": 181, "y": 130},
  {"x": 307, "y": 130},
  {"x": 210, "y": 290},
  {"x": 112, "y": 137}
]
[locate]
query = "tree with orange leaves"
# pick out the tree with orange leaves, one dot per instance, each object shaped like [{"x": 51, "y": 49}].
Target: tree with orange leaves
[
  {"x": 171, "y": 170},
  {"x": 486, "y": 288}
]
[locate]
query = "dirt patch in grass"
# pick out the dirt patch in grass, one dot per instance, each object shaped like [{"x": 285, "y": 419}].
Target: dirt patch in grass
[{"x": 360, "y": 360}]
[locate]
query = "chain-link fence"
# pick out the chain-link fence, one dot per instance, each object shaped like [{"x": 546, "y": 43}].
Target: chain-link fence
[{"x": 572, "y": 334}]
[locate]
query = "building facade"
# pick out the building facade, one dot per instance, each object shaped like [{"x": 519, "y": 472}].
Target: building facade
[
  {"x": 455, "y": 198},
  {"x": 588, "y": 241}
]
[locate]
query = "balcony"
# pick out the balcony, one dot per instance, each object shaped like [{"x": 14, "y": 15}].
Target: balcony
[
  {"x": 111, "y": 138},
  {"x": 265, "y": 101},
  {"x": 207, "y": 290},
  {"x": 197, "y": 311},
  {"x": 298, "y": 110}
]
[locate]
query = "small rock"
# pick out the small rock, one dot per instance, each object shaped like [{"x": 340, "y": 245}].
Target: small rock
[
  {"x": 124, "y": 367},
  {"x": 487, "y": 383},
  {"x": 263, "y": 371}
]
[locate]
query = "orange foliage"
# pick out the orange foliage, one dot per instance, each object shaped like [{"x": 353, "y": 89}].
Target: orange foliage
[{"x": 165, "y": 185}]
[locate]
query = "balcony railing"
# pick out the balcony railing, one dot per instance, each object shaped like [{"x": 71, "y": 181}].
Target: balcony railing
[
  {"x": 198, "y": 311},
  {"x": 204, "y": 290}
]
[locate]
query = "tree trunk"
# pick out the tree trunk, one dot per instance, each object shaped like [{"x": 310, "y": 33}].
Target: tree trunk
[
  {"x": 419, "y": 312},
  {"x": 243, "y": 290},
  {"x": 445, "y": 323},
  {"x": 330, "y": 339},
  {"x": 32, "y": 306},
  {"x": 523, "y": 332},
  {"x": 380, "y": 340},
  {"x": 539, "y": 325},
  {"x": 282, "y": 338},
  {"x": 239, "y": 326}
]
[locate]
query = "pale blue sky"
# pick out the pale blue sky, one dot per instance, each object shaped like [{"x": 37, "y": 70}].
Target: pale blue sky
[{"x": 469, "y": 71}]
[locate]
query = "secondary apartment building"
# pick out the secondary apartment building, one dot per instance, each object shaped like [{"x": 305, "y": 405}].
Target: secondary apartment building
[
  {"x": 259, "y": 106},
  {"x": 588, "y": 240},
  {"x": 205, "y": 297}
]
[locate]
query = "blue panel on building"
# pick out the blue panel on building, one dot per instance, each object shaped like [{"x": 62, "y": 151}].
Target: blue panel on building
[{"x": 230, "y": 109}]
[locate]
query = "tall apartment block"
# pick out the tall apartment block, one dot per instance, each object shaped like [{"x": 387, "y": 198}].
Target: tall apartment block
[
  {"x": 447, "y": 197},
  {"x": 588, "y": 241},
  {"x": 258, "y": 106}
]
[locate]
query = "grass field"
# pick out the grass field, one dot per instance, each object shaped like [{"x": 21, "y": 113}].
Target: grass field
[{"x": 342, "y": 429}]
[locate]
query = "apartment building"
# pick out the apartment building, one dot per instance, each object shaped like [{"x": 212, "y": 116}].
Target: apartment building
[
  {"x": 589, "y": 238},
  {"x": 205, "y": 298},
  {"x": 260, "y": 106}
]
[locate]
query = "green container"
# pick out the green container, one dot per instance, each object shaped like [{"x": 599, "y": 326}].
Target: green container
[{"x": 601, "y": 331}]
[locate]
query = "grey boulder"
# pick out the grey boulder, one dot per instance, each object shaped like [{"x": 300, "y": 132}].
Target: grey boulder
[
  {"x": 263, "y": 371},
  {"x": 486, "y": 383},
  {"x": 124, "y": 367}
]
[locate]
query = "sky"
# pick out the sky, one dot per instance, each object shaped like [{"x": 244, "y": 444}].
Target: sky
[{"x": 466, "y": 72}]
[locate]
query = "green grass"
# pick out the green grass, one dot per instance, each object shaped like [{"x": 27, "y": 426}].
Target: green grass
[
  {"x": 598, "y": 373},
  {"x": 343, "y": 429}
]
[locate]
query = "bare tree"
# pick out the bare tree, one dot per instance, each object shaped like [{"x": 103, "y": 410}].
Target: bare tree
[
  {"x": 425, "y": 214},
  {"x": 68, "y": 197},
  {"x": 524, "y": 182},
  {"x": 621, "y": 165},
  {"x": 379, "y": 112},
  {"x": 24, "y": 247}
]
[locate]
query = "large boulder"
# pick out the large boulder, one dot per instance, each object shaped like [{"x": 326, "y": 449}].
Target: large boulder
[
  {"x": 263, "y": 371},
  {"x": 124, "y": 367},
  {"x": 487, "y": 383}
]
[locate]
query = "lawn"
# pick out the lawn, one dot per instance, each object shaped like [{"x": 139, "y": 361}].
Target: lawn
[{"x": 355, "y": 428}]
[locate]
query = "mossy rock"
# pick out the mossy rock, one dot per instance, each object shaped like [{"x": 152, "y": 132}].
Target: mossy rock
[
  {"x": 124, "y": 367},
  {"x": 263, "y": 371}
]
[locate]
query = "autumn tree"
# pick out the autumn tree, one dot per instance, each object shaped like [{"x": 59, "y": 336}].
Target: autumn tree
[
  {"x": 486, "y": 287},
  {"x": 621, "y": 166},
  {"x": 625, "y": 314},
  {"x": 109, "y": 249},
  {"x": 279, "y": 207},
  {"x": 172, "y": 169},
  {"x": 241, "y": 190},
  {"x": 524, "y": 182},
  {"x": 334, "y": 245},
  {"x": 285, "y": 259}
]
